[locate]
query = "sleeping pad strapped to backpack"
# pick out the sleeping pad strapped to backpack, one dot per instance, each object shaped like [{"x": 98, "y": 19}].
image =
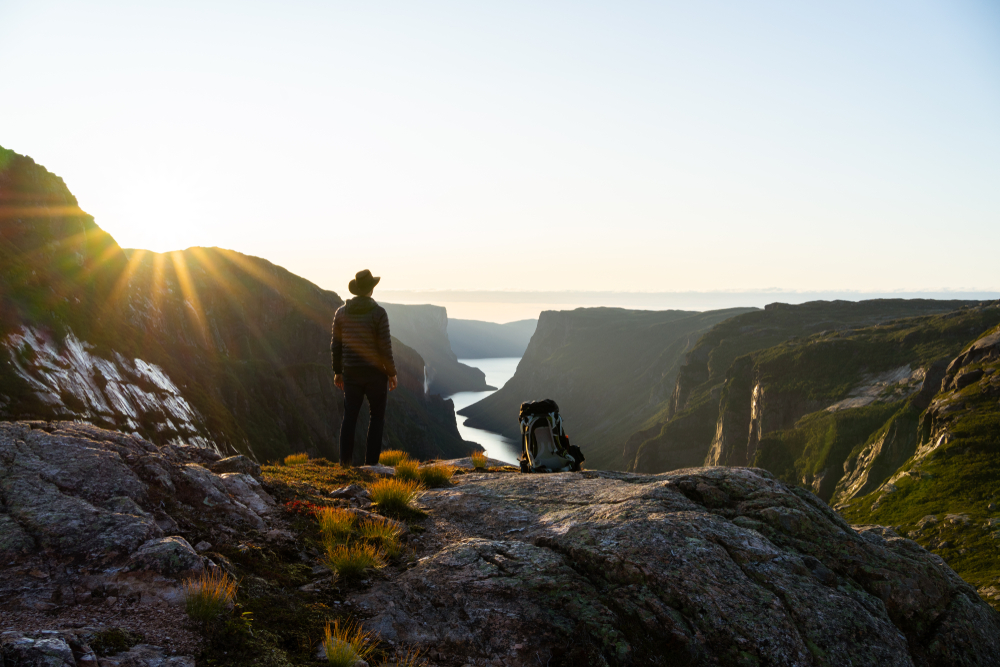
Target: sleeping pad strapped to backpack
[{"x": 544, "y": 445}]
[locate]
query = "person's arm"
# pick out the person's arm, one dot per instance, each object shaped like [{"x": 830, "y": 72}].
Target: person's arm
[
  {"x": 337, "y": 350},
  {"x": 383, "y": 340}
]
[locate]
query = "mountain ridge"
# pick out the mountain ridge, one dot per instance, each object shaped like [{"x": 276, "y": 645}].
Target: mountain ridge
[{"x": 243, "y": 342}]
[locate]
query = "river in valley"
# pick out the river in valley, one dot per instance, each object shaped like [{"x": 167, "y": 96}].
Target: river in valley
[{"x": 497, "y": 371}]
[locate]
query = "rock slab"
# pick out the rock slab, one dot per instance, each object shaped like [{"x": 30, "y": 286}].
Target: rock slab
[{"x": 707, "y": 566}]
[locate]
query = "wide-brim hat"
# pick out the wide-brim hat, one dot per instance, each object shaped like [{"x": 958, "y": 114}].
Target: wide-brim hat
[{"x": 363, "y": 283}]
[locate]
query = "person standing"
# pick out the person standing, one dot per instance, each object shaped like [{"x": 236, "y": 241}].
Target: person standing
[{"x": 362, "y": 365}]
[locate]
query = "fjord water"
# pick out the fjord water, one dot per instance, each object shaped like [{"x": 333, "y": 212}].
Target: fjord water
[{"x": 498, "y": 371}]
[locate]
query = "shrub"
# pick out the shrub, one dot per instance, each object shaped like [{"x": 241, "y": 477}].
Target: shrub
[
  {"x": 114, "y": 640},
  {"x": 296, "y": 459},
  {"x": 479, "y": 460},
  {"x": 391, "y": 457},
  {"x": 382, "y": 534},
  {"x": 406, "y": 470},
  {"x": 335, "y": 523},
  {"x": 344, "y": 646},
  {"x": 436, "y": 475},
  {"x": 351, "y": 560},
  {"x": 394, "y": 496},
  {"x": 206, "y": 597}
]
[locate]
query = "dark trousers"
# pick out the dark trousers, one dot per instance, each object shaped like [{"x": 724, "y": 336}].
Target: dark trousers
[{"x": 356, "y": 387}]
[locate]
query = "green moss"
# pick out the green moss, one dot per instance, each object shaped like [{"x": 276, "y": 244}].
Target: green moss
[
  {"x": 114, "y": 640},
  {"x": 822, "y": 441}
]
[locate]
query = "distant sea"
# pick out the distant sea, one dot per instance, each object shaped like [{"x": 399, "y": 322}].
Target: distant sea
[
  {"x": 507, "y": 306},
  {"x": 497, "y": 371}
]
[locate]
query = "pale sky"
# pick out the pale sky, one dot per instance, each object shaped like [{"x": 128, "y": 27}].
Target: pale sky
[{"x": 608, "y": 146}]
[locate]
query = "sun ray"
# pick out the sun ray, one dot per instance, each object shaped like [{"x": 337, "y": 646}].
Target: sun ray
[
  {"x": 117, "y": 293},
  {"x": 194, "y": 311},
  {"x": 255, "y": 271}
]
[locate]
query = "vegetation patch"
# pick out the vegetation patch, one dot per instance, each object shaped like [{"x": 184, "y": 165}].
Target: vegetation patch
[
  {"x": 113, "y": 641},
  {"x": 335, "y": 523},
  {"x": 407, "y": 470},
  {"x": 296, "y": 459},
  {"x": 394, "y": 497},
  {"x": 391, "y": 457},
  {"x": 436, "y": 475},
  {"x": 351, "y": 561},
  {"x": 478, "y": 460},
  {"x": 345, "y": 644},
  {"x": 208, "y": 596}
]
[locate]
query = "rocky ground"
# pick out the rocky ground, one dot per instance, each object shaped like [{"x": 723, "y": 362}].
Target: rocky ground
[{"x": 708, "y": 566}]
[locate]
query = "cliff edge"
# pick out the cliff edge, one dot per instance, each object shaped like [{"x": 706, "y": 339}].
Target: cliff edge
[{"x": 704, "y": 566}]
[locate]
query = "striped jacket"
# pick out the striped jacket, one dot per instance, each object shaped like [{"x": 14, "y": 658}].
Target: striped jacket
[{"x": 361, "y": 338}]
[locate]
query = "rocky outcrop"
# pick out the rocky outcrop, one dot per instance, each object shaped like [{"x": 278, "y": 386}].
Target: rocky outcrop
[
  {"x": 114, "y": 506},
  {"x": 697, "y": 567}
]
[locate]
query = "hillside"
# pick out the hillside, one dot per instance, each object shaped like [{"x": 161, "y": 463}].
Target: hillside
[
  {"x": 933, "y": 473},
  {"x": 609, "y": 369},
  {"x": 473, "y": 339},
  {"x": 425, "y": 329},
  {"x": 205, "y": 346},
  {"x": 683, "y": 434}
]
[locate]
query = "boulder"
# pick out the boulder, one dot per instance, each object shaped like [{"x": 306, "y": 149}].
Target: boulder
[
  {"x": 167, "y": 556},
  {"x": 239, "y": 463},
  {"x": 41, "y": 652},
  {"x": 696, "y": 567}
]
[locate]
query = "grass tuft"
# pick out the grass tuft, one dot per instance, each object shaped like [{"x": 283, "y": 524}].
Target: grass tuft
[
  {"x": 352, "y": 560},
  {"x": 206, "y": 597},
  {"x": 412, "y": 658},
  {"x": 391, "y": 457},
  {"x": 346, "y": 645},
  {"x": 335, "y": 523},
  {"x": 296, "y": 459},
  {"x": 393, "y": 496},
  {"x": 383, "y": 535},
  {"x": 406, "y": 470},
  {"x": 479, "y": 460},
  {"x": 436, "y": 475}
]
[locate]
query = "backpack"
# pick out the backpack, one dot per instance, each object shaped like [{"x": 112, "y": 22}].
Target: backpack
[{"x": 544, "y": 445}]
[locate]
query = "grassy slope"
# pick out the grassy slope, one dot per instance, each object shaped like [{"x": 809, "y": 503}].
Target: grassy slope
[
  {"x": 827, "y": 366},
  {"x": 680, "y": 434},
  {"x": 958, "y": 478},
  {"x": 608, "y": 368}
]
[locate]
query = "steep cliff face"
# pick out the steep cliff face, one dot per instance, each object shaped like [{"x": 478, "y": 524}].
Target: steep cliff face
[
  {"x": 472, "y": 339},
  {"x": 425, "y": 329},
  {"x": 203, "y": 346},
  {"x": 609, "y": 369},
  {"x": 711, "y": 415},
  {"x": 944, "y": 494}
]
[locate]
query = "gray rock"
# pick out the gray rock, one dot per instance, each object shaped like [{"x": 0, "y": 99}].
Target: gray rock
[
  {"x": 144, "y": 655},
  {"x": 707, "y": 566},
  {"x": 41, "y": 652},
  {"x": 239, "y": 463},
  {"x": 12, "y": 536},
  {"x": 167, "y": 556},
  {"x": 351, "y": 491}
]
